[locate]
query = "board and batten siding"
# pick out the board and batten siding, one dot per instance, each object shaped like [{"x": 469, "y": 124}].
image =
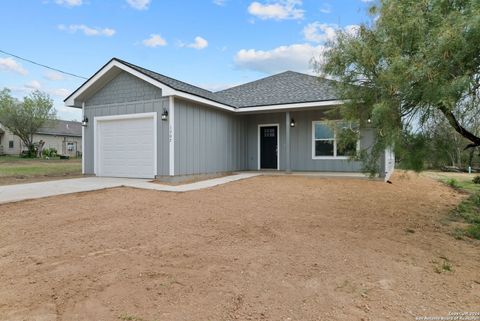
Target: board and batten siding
[
  {"x": 208, "y": 140},
  {"x": 300, "y": 143},
  {"x": 126, "y": 94}
]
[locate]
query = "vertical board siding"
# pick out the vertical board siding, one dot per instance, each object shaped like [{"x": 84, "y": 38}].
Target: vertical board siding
[
  {"x": 129, "y": 108},
  {"x": 300, "y": 143},
  {"x": 207, "y": 140}
]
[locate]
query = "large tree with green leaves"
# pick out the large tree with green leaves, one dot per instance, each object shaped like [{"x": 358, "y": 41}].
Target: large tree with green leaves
[
  {"x": 417, "y": 58},
  {"x": 25, "y": 118}
]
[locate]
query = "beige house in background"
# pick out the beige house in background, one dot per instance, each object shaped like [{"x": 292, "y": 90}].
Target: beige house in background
[{"x": 64, "y": 136}]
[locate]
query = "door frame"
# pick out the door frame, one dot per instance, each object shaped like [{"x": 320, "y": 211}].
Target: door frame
[
  {"x": 96, "y": 137},
  {"x": 278, "y": 144}
]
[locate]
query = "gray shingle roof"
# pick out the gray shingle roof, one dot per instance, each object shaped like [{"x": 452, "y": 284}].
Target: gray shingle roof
[
  {"x": 176, "y": 84},
  {"x": 285, "y": 88},
  {"x": 62, "y": 128}
]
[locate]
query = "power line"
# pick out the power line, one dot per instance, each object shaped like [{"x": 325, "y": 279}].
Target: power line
[{"x": 42, "y": 65}]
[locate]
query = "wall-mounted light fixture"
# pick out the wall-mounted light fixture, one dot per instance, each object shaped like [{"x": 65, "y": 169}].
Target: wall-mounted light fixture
[
  {"x": 85, "y": 121},
  {"x": 165, "y": 114},
  {"x": 369, "y": 120},
  {"x": 292, "y": 122}
]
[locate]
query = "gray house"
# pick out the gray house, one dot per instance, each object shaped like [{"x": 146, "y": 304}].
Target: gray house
[{"x": 138, "y": 123}]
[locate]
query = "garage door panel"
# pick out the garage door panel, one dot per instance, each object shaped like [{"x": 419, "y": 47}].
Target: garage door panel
[{"x": 126, "y": 147}]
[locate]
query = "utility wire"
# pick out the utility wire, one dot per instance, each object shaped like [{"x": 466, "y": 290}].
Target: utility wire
[{"x": 42, "y": 65}]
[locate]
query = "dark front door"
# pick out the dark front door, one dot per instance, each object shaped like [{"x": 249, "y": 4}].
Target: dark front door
[{"x": 268, "y": 147}]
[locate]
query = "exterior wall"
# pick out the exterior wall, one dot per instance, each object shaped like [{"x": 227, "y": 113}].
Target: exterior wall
[
  {"x": 127, "y": 95},
  {"x": 60, "y": 143},
  {"x": 300, "y": 143},
  {"x": 4, "y": 142},
  {"x": 208, "y": 140},
  {"x": 124, "y": 88},
  {"x": 57, "y": 142}
]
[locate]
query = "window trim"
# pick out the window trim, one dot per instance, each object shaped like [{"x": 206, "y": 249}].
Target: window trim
[{"x": 335, "y": 157}]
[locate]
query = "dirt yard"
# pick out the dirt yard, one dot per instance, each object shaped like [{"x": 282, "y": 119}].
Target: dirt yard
[{"x": 266, "y": 248}]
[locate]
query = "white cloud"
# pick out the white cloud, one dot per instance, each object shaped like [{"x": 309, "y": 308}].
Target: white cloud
[
  {"x": 295, "y": 57},
  {"x": 139, "y": 4},
  {"x": 53, "y": 76},
  {"x": 154, "y": 41},
  {"x": 11, "y": 64},
  {"x": 33, "y": 85},
  {"x": 199, "y": 43},
  {"x": 69, "y": 3},
  {"x": 367, "y": 1},
  {"x": 277, "y": 10},
  {"x": 219, "y": 2},
  {"x": 323, "y": 32},
  {"x": 326, "y": 8},
  {"x": 88, "y": 31}
]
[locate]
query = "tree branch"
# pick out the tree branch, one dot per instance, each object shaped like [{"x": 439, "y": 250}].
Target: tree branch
[{"x": 452, "y": 120}]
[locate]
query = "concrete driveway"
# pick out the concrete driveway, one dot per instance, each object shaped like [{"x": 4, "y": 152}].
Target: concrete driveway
[{"x": 20, "y": 192}]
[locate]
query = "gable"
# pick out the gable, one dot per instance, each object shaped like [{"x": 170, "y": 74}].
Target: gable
[{"x": 124, "y": 88}]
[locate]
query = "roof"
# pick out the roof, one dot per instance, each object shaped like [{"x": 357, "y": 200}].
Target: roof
[
  {"x": 61, "y": 128},
  {"x": 177, "y": 84},
  {"x": 281, "y": 89},
  {"x": 286, "y": 88}
]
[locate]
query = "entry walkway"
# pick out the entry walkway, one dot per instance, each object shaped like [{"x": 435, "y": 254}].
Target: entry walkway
[{"x": 21, "y": 192}]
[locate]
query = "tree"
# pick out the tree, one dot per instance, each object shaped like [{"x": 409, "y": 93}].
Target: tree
[
  {"x": 417, "y": 58},
  {"x": 25, "y": 118}
]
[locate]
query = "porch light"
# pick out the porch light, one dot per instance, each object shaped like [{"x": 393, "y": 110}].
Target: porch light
[
  {"x": 292, "y": 123},
  {"x": 369, "y": 120},
  {"x": 165, "y": 114},
  {"x": 85, "y": 121}
]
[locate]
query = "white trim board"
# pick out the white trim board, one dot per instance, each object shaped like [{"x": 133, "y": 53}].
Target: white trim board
[
  {"x": 171, "y": 136},
  {"x": 83, "y": 139},
  {"x": 278, "y": 144},
  {"x": 99, "y": 119}
]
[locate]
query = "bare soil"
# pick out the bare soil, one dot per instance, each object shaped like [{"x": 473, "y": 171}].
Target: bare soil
[{"x": 266, "y": 248}]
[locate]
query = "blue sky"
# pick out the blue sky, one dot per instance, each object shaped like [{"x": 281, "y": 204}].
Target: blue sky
[{"x": 211, "y": 43}]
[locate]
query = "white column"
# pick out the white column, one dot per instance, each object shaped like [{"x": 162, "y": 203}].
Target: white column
[
  {"x": 287, "y": 142},
  {"x": 171, "y": 131}
]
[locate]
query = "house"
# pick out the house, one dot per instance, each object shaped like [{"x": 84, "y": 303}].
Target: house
[
  {"x": 64, "y": 136},
  {"x": 139, "y": 123}
]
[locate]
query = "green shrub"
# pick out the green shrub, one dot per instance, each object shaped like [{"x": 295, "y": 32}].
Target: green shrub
[
  {"x": 476, "y": 180},
  {"x": 452, "y": 182},
  {"x": 50, "y": 152}
]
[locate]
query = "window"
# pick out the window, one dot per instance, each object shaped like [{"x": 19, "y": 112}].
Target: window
[
  {"x": 10, "y": 144},
  {"x": 70, "y": 147},
  {"x": 325, "y": 140}
]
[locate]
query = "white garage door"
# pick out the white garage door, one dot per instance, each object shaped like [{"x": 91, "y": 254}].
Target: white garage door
[{"x": 126, "y": 146}]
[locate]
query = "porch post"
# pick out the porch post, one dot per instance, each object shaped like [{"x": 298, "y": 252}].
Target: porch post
[{"x": 287, "y": 142}]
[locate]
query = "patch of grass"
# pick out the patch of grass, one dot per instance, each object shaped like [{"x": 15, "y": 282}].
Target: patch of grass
[
  {"x": 452, "y": 182},
  {"x": 14, "y": 166},
  {"x": 444, "y": 266},
  {"x": 468, "y": 211}
]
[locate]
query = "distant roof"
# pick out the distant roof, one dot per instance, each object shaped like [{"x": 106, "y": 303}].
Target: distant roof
[
  {"x": 61, "y": 128},
  {"x": 285, "y": 88}
]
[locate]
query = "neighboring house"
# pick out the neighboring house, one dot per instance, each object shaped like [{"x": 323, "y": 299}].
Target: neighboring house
[
  {"x": 139, "y": 123},
  {"x": 64, "y": 136}
]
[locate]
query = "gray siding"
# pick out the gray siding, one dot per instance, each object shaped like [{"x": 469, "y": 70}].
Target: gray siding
[
  {"x": 129, "y": 108},
  {"x": 208, "y": 140},
  {"x": 300, "y": 143},
  {"x": 124, "y": 88}
]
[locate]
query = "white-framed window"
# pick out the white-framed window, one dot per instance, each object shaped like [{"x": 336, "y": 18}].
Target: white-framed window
[
  {"x": 70, "y": 147},
  {"x": 324, "y": 141}
]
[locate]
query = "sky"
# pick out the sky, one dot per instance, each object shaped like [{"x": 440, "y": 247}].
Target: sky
[{"x": 214, "y": 44}]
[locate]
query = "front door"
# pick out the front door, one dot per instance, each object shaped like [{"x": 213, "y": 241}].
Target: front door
[{"x": 268, "y": 147}]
